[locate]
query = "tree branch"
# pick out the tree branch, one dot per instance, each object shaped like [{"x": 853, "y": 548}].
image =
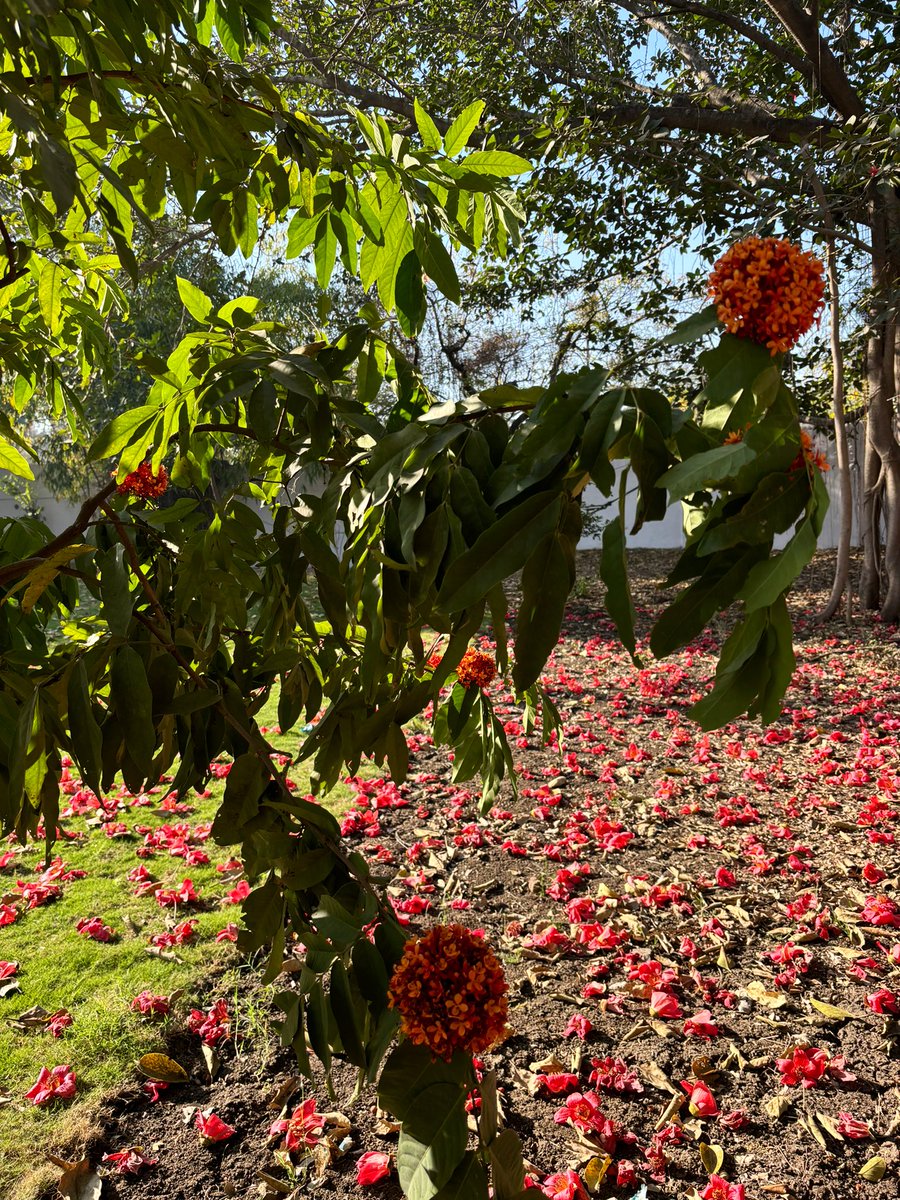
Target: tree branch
[
  {"x": 783, "y": 53},
  {"x": 694, "y": 60},
  {"x": 12, "y": 273},
  {"x": 828, "y": 73},
  {"x": 66, "y": 538},
  {"x": 682, "y": 115}
]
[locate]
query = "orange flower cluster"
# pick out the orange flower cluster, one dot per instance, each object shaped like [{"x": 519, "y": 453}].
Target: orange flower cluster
[
  {"x": 450, "y": 992},
  {"x": 476, "y": 669},
  {"x": 768, "y": 290},
  {"x": 143, "y": 482},
  {"x": 736, "y": 435},
  {"x": 815, "y": 458}
]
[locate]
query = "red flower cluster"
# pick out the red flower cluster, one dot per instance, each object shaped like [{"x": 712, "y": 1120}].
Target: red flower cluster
[
  {"x": 768, "y": 290},
  {"x": 450, "y": 992},
  {"x": 144, "y": 483},
  {"x": 476, "y": 669}
]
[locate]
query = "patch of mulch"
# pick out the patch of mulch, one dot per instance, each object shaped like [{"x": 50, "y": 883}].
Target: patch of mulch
[{"x": 645, "y": 857}]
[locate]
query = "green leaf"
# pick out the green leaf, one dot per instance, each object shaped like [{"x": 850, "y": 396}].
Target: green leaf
[
  {"x": 462, "y": 128},
  {"x": 716, "y": 588},
  {"x": 614, "y": 573},
  {"x": 50, "y": 290},
  {"x": 694, "y": 327},
  {"x": 325, "y": 251},
  {"x": 133, "y": 701},
  {"x": 301, "y": 233},
  {"x": 244, "y": 787},
  {"x": 123, "y": 430},
  {"x": 769, "y": 579},
  {"x": 705, "y": 470},
  {"x": 546, "y": 582},
  {"x": 432, "y": 1141},
  {"x": 11, "y": 460},
  {"x": 194, "y": 300},
  {"x": 345, "y": 1015},
  {"x": 495, "y": 162},
  {"x": 87, "y": 740},
  {"x": 732, "y": 367},
  {"x": 409, "y": 1070},
  {"x": 117, "y": 603},
  {"x": 409, "y": 294},
  {"x": 437, "y": 263},
  {"x": 772, "y": 508},
  {"x": 371, "y": 973},
  {"x": 333, "y": 921},
  {"x": 428, "y": 131},
  {"x": 468, "y": 1182},
  {"x": 507, "y": 1167},
  {"x": 499, "y": 552}
]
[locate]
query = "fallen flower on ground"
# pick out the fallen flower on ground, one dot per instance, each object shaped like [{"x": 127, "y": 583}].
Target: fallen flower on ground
[
  {"x": 212, "y": 1128},
  {"x": 57, "y": 1083},
  {"x": 130, "y": 1161},
  {"x": 802, "y": 1066},
  {"x": 94, "y": 927},
  {"x": 372, "y": 1166},
  {"x": 149, "y": 1005},
  {"x": 720, "y": 1189},
  {"x": 566, "y": 1185},
  {"x": 701, "y": 1101},
  {"x": 701, "y": 1025},
  {"x": 850, "y": 1127},
  {"x": 302, "y": 1129}
]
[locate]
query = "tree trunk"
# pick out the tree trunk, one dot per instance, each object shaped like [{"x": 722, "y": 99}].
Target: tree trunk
[
  {"x": 841, "y": 582},
  {"x": 882, "y": 448},
  {"x": 870, "y": 577}
]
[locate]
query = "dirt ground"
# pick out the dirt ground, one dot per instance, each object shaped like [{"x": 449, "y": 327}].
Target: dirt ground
[{"x": 646, "y": 858}]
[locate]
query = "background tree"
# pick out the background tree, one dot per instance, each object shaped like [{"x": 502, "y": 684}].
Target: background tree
[{"x": 665, "y": 125}]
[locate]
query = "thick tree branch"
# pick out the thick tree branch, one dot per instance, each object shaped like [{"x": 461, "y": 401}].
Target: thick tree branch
[
  {"x": 750, "y": 33},
  {"x": 693, "y": 118},
  {"x": 694, "y": 61},
  {"x": 829, "y": 74}
]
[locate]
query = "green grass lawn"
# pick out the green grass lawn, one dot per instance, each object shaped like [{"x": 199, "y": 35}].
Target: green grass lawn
[{"x": 96, "y": 981}]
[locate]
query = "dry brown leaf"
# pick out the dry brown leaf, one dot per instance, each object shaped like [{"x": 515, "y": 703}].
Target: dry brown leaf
[
  {"x": 547, "y": 1066},
  {"x": 283, "y": 1092},
  {"x": 273, "y": 1184},
  {"x": 829, "y": 1125},
  {"x": 670, "y": 1112},
  {"x": 653, "y": 1074},
  {"x": 595, "y": 1170},
  {"x": 777, "y": 1106},
  {"x": 814, "y": 1131},
  {"x": 163, "y": 1069},
  {"x": 212, "y": 1060},
  {"x": 874, "y": 1169},
  {"x": 829, "y": 1010},
  {"x": 712, "y": 1157},
  {"x": 758, "y": 992},
  {"x": 78, "y": 1181}
]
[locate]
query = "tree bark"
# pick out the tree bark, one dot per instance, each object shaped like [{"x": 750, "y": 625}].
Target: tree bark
[{"x": 842, "y": 451}]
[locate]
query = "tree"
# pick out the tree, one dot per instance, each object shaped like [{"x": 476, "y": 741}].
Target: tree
[
  {"x": 666, "y": 124},
  {"x": 123, "y": 111}
]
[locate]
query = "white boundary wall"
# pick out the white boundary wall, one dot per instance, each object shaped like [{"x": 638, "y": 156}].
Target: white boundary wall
[{"x": 667, "y": 534}]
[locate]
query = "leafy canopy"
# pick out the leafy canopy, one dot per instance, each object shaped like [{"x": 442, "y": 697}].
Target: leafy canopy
[{"x": 120, "y": 112}]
